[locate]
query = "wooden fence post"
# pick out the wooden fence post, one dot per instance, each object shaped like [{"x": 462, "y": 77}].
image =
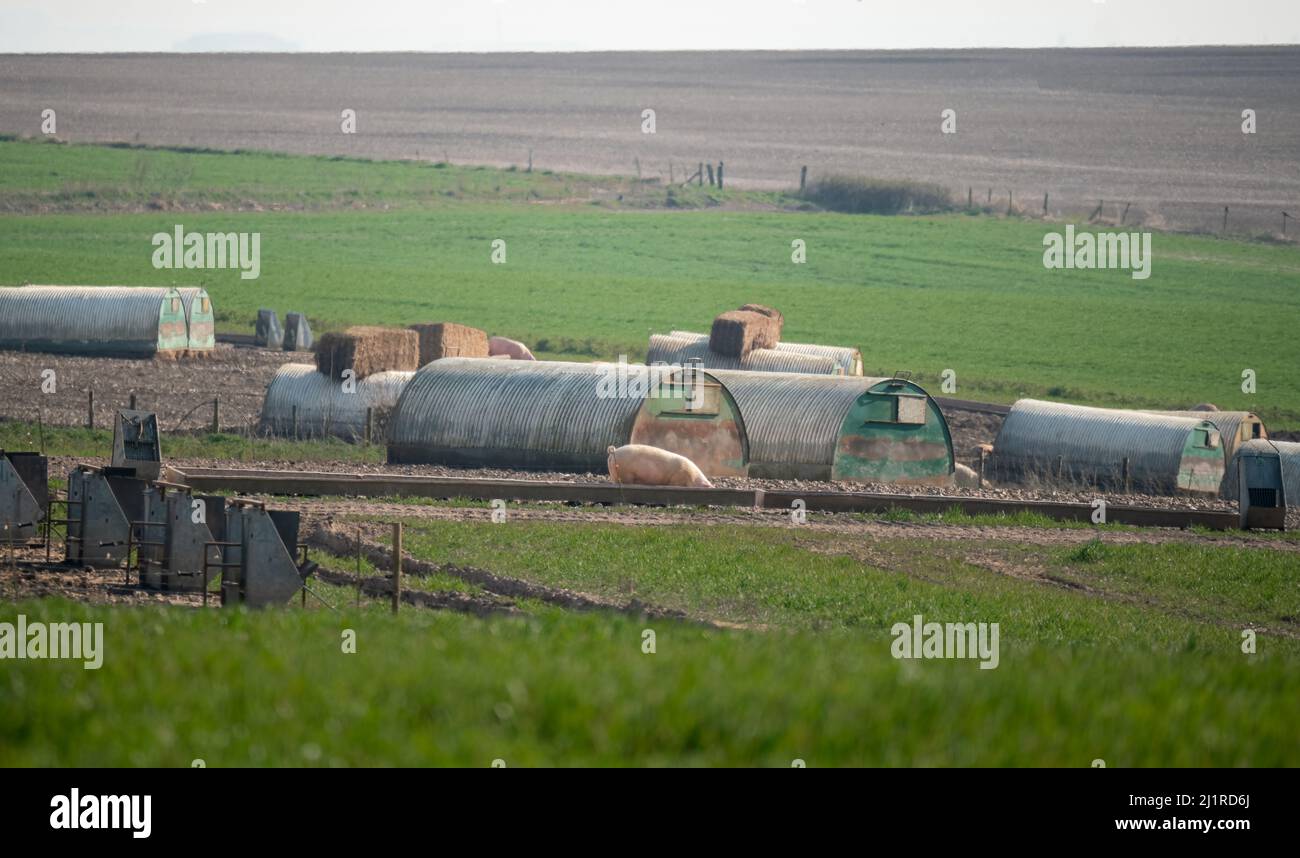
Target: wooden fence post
[
  {"x": 216, "y": 414},
  {"x": 803, "y": 182},
  {"x": 719, "y": 175}
]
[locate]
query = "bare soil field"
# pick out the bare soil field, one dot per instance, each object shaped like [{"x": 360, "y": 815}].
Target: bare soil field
[
  {"x": 180, "y": 392},
  {"x": 1158, "y": 128}
]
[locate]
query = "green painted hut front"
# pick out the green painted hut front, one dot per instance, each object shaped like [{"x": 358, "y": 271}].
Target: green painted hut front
[{"x": 855, "y": 429}]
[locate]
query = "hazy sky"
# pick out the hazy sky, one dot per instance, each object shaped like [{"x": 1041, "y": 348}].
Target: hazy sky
[{"x": 585, "y": 25}]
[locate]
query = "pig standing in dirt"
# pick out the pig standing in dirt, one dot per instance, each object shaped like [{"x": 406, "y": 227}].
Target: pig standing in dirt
[
  {"x": 641, "y": 464},
  {"x": 513, "y": 349}
]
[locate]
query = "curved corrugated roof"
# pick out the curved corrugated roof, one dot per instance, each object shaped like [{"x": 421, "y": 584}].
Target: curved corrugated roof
[
  {"x": 520, "y": 408},
  {"x": 107, "y": 317},
  {"x": 1229, "y": 424},
  {"x": 323, "y": 407},
  {"x": 793, "y": 418},
  {"x": 849, "y": 359},
  {"x": 672, "y": 349},
  {"x": 1036, "y": 434}
]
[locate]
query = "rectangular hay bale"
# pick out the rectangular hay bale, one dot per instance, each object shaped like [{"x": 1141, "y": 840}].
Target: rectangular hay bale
[
  {"x": 448, "y": 339},
  {"x": 738, "y": 332},
  {"x": 367, "y": 350},
  {"x": 771, "y": 313}
]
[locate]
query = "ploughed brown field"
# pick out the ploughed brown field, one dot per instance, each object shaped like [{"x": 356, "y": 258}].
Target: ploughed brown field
[{"x": 1160, "y": 128}]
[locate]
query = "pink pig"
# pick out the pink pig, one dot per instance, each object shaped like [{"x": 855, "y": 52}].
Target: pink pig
[
  {"x": 513, "y": 349},
  {"x": 641, "y": 464}
]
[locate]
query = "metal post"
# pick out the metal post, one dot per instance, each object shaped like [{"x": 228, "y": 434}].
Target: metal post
[
  {"x": 216, "y": 415},
  {"x": 370, "y": 425},
  {"x": 132, "y": 401},
  {"x": 358, "y": 566},
  {"x": 397, "y": 565},
  {"x": 970, "y": 198},
  {"x": 803, "y": 177},
  {"x": 981, "y": 474},
  {"x": 1128, "y": 478},
  {"x": 90, "y": 410},
  {"x": 700, "y": 176},
  {"x": 719, "y": 175},
  {"x": 1044, "y": 202},
  {"x": 1225, "y": 219},
  {"x": 295, "y": 423}
]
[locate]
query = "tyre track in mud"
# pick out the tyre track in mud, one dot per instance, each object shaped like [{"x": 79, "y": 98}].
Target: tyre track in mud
[{"x": 342, "y": 543}]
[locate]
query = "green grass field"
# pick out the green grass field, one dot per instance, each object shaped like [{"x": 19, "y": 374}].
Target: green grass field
[
  {"x": 1131, "y": 654},
  {"x": 590, "y": 276},
  {"x": 1146, "y": 669}
]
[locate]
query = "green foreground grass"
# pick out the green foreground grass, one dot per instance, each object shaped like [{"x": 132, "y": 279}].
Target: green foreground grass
[
  {"x": 922, "y": 294},
  {"x": 1145, "y": 669}
]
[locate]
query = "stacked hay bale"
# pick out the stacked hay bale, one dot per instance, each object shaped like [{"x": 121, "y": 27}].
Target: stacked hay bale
[
  {"x": 738, "y": 332},
  {"x": 367, "y": 350},
  {"x": 448, "y": 339}
]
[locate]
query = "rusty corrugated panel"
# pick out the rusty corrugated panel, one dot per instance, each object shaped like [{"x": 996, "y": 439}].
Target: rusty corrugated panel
[
  {"x": 825, "y": 427},
  {"x": 324, "y": 409},
  {"x": 114, "y": 320},
  {"x": 848, "y": 359},
  {"x": 680, "y": 350},
  {"x": 1057, "y": 442}
]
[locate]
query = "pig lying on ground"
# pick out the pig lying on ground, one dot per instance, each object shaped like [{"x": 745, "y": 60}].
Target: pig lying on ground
[
  {"x": 513, "y": 349},
  {"x": 643, "y": 465}
]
